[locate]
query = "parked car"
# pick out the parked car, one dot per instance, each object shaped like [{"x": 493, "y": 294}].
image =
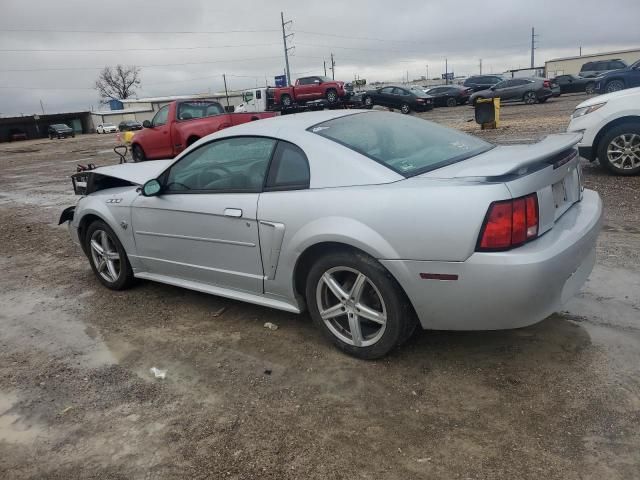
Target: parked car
[
  {"x": 404, "y": 99},
  {"x": 615, "y": 80},
  {"x": 312, "y": 88},
  {"x": 482, "y": 82},
  {"x": 129, "y": 125},
  {"x": 600, "y": 67},
  {"x": 575, "y": 84},
  {"x": 60, "y": 130},
  {"x": 528, "y": 90},
  {"x": 368, "y": 219},
  {"x": 449, "y": 95},
  {"x": 610, "y": 128},
  {"x": 106, "y": 128},
  {"x": 182, "y": 123},
  {"x": 16, "y": 135}
]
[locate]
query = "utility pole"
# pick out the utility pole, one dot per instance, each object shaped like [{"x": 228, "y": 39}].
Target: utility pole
[
  {"x": 480, "y": 66},
  {"x": 333, "y": 68},
  {"x": 42, "y": 106},
  {"x": 427, "y": 77},
  {"x": 533, "y": 46},
  {"x": 224, "y": 77},
  {"x": 286, "y": 48},
  {"x": 325, "y": 66},
  {"x": 580, "y": 50},
  {"x": 446, "y": 71}
]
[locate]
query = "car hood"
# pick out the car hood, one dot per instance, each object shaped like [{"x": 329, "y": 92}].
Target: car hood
[
  {"x": 630, "y": 92},
  {"x": 138, "y": 173},
  {"x": 508, "y": 159}
]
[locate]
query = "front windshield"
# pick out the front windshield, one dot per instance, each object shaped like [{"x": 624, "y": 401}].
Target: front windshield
[
  {"x": 108, "y": 125},
  {"x": 407, "y": 145}
]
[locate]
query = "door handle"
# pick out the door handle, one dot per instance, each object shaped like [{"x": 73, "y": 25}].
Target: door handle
[{"x": 233, "y": 212}]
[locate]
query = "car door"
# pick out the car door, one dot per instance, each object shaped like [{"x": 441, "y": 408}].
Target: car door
[
  {"x": 385, "y": 96},
  {"x": 158, "y": 144},
  {"x": 305, "y": 88},
  {"x": 438, "y": 98},
  {"x": 503, "y": 89},
  {"x": 400, "y": 96},
  {"x": 202, "y": 227},
  {"x": 632, "y": 77},
  {"x": 519, "y": 87}
]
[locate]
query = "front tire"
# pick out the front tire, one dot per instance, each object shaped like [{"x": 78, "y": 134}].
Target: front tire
[
  {"x": 614, "y": 86},
  {"x": 405, "y": 108},
  {"x": 451, "y": 102},
  {"x": 619, "y": 149},
  {"x": 332, "y": 96},
  {"x": 138, "y": 153},
  {"x": 107, "y": 257},
  {"x": 358, "y": 305},
  {"x": 590, "y": 89},
  {"x": 368, "y": 102}
]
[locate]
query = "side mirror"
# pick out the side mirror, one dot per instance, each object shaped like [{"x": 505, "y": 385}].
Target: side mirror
[
  {"x": 151, "y": 188},
  {"x": 147, "y": 124},
  {"x": 492, "y": 88},
  {"x": 317, "y": 82}
]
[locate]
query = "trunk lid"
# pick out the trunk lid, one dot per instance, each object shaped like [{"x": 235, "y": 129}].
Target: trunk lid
[{"x": 549, "y": 168}]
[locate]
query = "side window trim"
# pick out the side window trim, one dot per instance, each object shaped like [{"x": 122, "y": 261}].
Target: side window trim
[{"x": 272, "y": 170}]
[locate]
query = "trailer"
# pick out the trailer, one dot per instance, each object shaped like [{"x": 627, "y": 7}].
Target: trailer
[{"x": 262, "y": 99}]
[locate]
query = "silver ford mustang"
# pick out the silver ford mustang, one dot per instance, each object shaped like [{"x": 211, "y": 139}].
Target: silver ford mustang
[{"x": 372, "y": 221}]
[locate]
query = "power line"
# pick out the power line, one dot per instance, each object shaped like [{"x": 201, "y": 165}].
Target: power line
[
  {"x": 133, "y": 49},
  {"x": 124, "y": 32},
  {"x": 142, "y": 66}
]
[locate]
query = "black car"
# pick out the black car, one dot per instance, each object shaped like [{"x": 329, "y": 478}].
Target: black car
[
  {"x": 482, "y": 82},
  {"x": 60, "y": 130},
  {"x": 450, "y": 95},
  {"x": 615, "y": 80},
  {"x": 600, "y": 67},
  {"x": 129, "y": 125},
  {"x": 401, "y": 98},
  {"x": 574, "y": 84}
]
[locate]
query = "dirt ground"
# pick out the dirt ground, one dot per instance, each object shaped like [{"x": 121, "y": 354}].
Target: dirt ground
[{"x": 557, "y": 400}]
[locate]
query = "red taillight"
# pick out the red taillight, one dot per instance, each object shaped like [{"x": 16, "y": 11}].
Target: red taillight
[
  {"x": 510, "y": 223},
  {"x": 546, "y": 84}
]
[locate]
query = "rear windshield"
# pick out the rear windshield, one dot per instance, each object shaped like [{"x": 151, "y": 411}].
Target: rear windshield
[
  {"x": 198, "y": 109},
  {"x": 407, "y": 145}
]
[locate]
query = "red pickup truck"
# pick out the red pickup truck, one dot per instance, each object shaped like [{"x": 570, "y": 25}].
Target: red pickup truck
[
  {"x": 312, "y": 88},
  {"x": 181, "y": 123}
]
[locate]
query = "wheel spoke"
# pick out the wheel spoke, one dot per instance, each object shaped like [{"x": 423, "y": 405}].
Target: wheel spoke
[
  {"x": 335, "y": 287},
  {"x": 112, "y": 255},
  {"x": 101, "y": 265},
  {"x": 332, "y": 312},
  {"x": 371, "y": 314},
  {"x": 104, "y": 241},
  {"x": 358, "y": 287},
  {"x": 111, "y": 268},
  {"x": 97, "y": 247},
  {"x": 354, "y": 329}
]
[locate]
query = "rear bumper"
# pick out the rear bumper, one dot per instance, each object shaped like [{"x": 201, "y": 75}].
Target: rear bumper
[{"x": 503, "y": 290}]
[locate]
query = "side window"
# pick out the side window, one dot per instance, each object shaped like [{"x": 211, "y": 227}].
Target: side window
[
  {"x": 518, "y": 82},
  {"x": 387, "y": 90},
  {"x": 160, "y": 118},
  {"x": 400, "y": 91},
  {"x": 258, "y": 94},
  {"x": 306, "y": 81},
  {"x": 616, "y": 64},
  {"x": 236, "y": 164},
  {"x": 248, "y": 96},
  {"x": 289, "y": 168},
  {"x": 587, "y": 67},
  {"x": 504, "y": 84}
]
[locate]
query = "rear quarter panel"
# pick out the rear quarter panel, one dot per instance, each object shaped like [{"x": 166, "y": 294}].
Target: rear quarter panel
[{"x": 419, "y": 219}]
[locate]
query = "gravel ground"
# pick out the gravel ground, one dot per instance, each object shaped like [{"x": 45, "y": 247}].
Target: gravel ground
[{"x": 560, "y": 399}]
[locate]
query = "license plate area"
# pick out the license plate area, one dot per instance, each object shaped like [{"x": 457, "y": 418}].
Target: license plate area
[{"x": 559, "y": 194}]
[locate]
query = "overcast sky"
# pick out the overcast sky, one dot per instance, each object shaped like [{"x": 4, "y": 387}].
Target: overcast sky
[{"x": 374, "y": 39}]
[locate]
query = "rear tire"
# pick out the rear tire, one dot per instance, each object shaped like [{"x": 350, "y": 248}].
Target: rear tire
[
  {"x": 137, "y": 153},
  {"x": 625, "y": 139},
  {"x": 451, "y": 102},
  {"x": 530, "y": 98},
  {"x": 405, "y": 108},
  {"x": 368, "y": 102},
  {"x": 342, "y": 308},
  {"x": 332, "y": 96}
]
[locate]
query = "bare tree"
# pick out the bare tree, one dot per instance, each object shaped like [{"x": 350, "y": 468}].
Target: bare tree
[{"x": 117, "y": 82}]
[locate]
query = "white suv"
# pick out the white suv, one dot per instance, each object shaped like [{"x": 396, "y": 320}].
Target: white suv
[{"x": 610, "y": 125}]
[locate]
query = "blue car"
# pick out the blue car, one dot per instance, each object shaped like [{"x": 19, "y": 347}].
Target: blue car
[{"x": 619, "y": 79}]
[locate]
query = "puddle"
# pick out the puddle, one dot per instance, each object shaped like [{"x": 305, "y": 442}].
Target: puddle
[
  {"x": 13, "y": 427},
  {"x": 30, "y": 320}
]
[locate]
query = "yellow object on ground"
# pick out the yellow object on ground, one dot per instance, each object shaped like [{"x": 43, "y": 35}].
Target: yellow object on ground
[
  {"x": 488, "y": 112},
  {"x": 125, "y": 137}
]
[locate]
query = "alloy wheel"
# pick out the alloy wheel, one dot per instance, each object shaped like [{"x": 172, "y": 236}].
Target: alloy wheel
[
  {"x": 624, "y": 151},
  {"x": 368, "y": 102},
  {"x": 529, "y": 98},
  {"x": 105, "y": 256},
  {"x": 405, "y": 108},
  {"x": 332, "y": 96},
  {"x": 614, "y": 86},
  {"x": 351, "y": 306}
]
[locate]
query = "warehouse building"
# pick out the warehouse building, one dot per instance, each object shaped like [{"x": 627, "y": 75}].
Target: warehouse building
[
  {"x": 36, "y": 126},
  {"x": 572, "y": 65}
]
